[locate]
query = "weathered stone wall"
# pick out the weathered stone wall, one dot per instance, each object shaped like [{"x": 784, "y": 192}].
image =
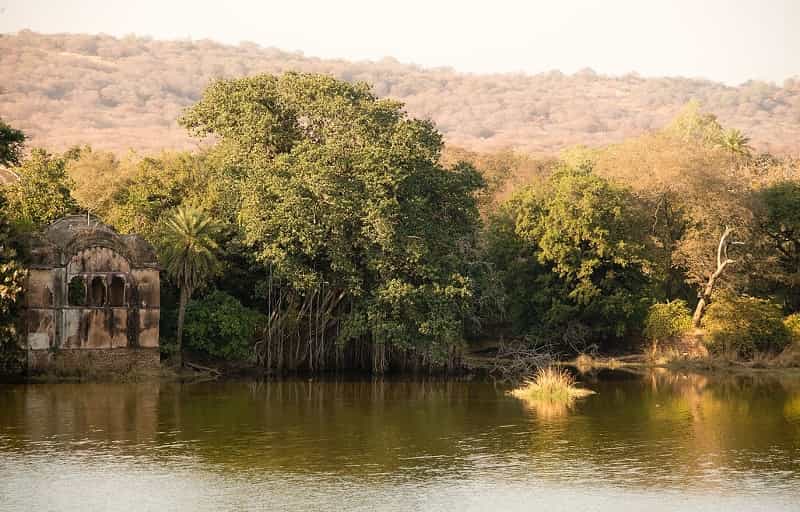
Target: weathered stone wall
[
  {"x": 92, "y": 300},
  {"x": 43, "y": 291},
  {"x": 97, "y": 259},
  {"x": 95, "y": 328},
  {"x": 93, "y": 361},
  {"x": 44, "y": 288},
  {"x": 149, "y": 287}
]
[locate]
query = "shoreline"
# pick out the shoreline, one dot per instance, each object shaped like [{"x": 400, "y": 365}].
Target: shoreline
[{"x": 474, "y": 366}]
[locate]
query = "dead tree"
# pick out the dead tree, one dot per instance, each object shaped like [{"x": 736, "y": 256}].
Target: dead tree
[
  {"x": 704, "y": 297},
  {"x": 518, "y": 359}
]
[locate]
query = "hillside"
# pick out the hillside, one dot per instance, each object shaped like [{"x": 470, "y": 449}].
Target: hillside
[{"x": 127, "y": 93}]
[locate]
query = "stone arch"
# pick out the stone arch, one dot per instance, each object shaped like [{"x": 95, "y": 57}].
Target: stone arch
[
  {"x": 76, "y": 291},
  {"x": 97, "y": 291},
  {"x": 116, "y": 291},
  {"x": 101, "y": 240},
  {"x": 98, "y": 259}
]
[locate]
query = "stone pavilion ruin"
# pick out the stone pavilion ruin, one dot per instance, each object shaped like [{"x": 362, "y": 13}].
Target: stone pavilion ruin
[{"x": 92, "y": 299}]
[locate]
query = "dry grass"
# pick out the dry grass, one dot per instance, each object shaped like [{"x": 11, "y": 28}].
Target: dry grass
[
  {"x": 790, "y": 357},
  {"x": 729, "y": 361},
  {"x": 551, "y": 384},
  {"x": 655, "y": 355},
  {"x": 585, "y": 363}
]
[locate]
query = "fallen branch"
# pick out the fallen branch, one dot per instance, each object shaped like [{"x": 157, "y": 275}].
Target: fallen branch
[
  {"x": 517, "y": 359},
  {"x": 200, "y": 368}
]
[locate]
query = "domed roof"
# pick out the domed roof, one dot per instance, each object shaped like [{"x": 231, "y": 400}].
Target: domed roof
[{"x": 70, "y": 234}]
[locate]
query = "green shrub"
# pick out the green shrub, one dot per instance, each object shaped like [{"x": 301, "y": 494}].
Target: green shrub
[
  {"x": 221, "y": 326},
  {"x": 792, "y": 323},
  {"x": 744, "y": 325},
  {"x": 667, "y": 320}
]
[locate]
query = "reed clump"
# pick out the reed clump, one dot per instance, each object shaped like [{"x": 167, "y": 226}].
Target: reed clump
[{"x": 551, "y": 384}]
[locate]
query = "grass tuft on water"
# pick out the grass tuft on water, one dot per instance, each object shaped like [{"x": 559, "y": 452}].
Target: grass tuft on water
[{"x": 551, "y": 384}]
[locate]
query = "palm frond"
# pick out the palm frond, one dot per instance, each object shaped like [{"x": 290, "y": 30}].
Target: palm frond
[{"x": 189, "y": 248}]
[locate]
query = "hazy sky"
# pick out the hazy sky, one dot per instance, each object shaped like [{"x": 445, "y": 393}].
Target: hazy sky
[{"x": 725, "y": 40}]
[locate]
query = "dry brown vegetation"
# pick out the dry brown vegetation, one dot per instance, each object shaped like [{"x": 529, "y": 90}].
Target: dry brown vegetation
[
  {"x": 127, "y": 93},
  {"x": 551, "y": 384}
]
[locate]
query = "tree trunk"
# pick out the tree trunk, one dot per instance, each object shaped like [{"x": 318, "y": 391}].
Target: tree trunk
[
  {"x": 181, "y": 314},
  {"x": 704, "y": 298}
]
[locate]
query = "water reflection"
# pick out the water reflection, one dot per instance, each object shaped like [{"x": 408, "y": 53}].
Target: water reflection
[
  {"x": 549, "y": 410},
  {"x": 640, "y": 436}
]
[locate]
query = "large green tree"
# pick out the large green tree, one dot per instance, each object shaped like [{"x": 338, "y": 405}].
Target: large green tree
[
  {"x": 575, "y": 252},
  {"x": 188, "y": 252},
  {"x": 342, "y": 192}
]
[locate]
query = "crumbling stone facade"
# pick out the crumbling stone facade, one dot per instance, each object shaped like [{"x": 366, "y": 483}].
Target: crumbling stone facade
[{"x": 91, "y": 299}]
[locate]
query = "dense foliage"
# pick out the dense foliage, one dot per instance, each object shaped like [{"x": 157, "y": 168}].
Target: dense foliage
[
  {"x": 41, "y": 194},
  {"x": 133, "y": 194},
  {"x": 667, "y": 320},
  {"x": 118, "y": 93},
  {"x": 780, "y": 222},
  {"x": 220, "y": 326},
  {"x": 359, "y": 210},
  {"x": 572, "y": 253},
  {"x": 334, "y": 231},
  {"x": 743, "y": 325},
  {"x": 12, "y": 273},
  {"x": 12, "y": 277}
]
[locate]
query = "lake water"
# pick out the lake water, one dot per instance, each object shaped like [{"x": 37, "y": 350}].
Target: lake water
[{"x": 651, "y": 442}]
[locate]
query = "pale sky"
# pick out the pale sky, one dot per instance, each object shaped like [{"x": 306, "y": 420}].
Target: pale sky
[{"x": 724, "y": 40}]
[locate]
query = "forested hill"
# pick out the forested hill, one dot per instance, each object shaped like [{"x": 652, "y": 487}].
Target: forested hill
[{"x": 127, "y": 93}]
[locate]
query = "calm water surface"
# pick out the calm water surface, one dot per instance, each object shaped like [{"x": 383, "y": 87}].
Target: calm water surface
[{"x": 655, "y": 442}]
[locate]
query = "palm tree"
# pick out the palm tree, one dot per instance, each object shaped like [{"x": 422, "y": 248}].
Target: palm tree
[
  {"x": 736, "y": 143},
  {"x": 189, "y": 255}
]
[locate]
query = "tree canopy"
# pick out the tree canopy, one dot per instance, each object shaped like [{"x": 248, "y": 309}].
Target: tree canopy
[
  {"x": 332, "y": 228},
  {"x": 343, "y": 190},
  {"x": 580, "y": 241},
  {"x": 42, "y": 192}
]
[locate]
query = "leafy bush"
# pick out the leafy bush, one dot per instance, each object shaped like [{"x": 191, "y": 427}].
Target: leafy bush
[
  {"x": 667, "y": 320},
  {"x": 792, "y": 323},
  {"x": 219, "y": 325},
  {"x": 744, "y": 325}
]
